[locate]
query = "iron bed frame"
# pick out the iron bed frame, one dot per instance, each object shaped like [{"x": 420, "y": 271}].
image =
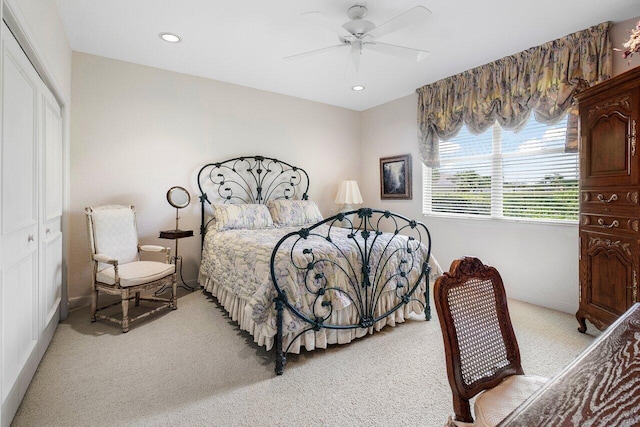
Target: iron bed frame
[{"x": 258, "y": 179}]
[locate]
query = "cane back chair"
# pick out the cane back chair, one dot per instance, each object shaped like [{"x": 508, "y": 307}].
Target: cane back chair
[
  {"x": 116, "y": 267},
  {"x": 480, "y": 345}
]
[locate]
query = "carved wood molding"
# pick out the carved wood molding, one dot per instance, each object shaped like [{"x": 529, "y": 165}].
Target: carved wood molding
[
  {"x": 597, "y": 322},
  {"x": 634, "y": 225},
  {"x": 632, "y": 197},
  {"x": 595, "y": 241},
  {"x": 624, "y": 102}
]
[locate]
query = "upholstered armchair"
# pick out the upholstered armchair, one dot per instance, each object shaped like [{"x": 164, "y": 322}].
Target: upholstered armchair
[
  {"x": 116, "y": 266},
  {"x": 482, "y": 353}
]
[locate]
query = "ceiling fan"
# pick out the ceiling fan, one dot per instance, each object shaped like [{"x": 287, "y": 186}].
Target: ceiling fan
[{"x": 360, "y": 34}]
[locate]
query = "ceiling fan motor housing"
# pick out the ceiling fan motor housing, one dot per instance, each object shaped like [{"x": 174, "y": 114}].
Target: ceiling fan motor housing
[{"x": 358, "y": 26}]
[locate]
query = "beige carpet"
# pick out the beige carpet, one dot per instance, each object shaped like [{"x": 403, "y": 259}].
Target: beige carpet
[{"x": 194, "y": 367}]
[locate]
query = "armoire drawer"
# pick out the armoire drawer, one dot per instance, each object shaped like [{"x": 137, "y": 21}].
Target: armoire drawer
[
  {"x": 609, "y": 198},
  {"x": 610, "y": 222}
]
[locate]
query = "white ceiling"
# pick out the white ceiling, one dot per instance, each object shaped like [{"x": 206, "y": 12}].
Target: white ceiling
[{"x": 243, "y": 42}]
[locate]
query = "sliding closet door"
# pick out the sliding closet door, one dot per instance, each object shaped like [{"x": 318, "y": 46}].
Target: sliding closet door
[{"x": 19, "y": 224}]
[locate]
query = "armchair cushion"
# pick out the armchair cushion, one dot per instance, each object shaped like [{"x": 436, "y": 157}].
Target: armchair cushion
[
  {"x": 136, "y": 273},
  {"x": 493, "y": 405}
]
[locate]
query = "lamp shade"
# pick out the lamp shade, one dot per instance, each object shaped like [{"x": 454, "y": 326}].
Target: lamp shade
[{"x": 348, "y": 193}]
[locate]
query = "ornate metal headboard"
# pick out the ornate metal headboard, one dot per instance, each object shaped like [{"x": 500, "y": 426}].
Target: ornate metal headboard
[{"x": 250, "y": 179}]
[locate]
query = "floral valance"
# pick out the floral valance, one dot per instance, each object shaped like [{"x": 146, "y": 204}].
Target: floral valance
[{"x": 541, "y": 79}]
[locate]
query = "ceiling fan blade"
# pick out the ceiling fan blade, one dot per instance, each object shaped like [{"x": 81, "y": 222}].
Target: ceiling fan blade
[
  {"x": 354, "y": 55},
  {"x": 319, "y": 19},
  {"x": 399, "y": 51},
  {"x": 410, "y": 17},
  {"x": 314, "y": 52}
]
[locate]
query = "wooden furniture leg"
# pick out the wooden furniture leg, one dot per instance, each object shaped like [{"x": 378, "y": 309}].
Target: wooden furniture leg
[{"x": 125, "y": 310}]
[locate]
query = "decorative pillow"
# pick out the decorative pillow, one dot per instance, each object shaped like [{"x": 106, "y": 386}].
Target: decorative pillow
[
  {"x": 294, "y": 212},
  {"x": 246, "y": 216}
]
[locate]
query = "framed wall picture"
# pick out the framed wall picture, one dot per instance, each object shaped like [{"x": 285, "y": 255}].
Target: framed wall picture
[{"x": 395, "y": 177}]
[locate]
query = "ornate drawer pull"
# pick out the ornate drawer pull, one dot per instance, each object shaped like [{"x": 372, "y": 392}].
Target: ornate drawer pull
[
  {"x": 613, "y": 198},
  {"x": 614, "y": 224},
  {"x": 30, "y": 238}
]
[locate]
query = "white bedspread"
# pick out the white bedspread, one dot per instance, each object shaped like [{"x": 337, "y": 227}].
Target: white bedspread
[{"x": 235, "y": 269}]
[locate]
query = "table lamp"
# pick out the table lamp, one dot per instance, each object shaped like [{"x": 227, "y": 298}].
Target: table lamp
[{"x": 348, "y": 195}]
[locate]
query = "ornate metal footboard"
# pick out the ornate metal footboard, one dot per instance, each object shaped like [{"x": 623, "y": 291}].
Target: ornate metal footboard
[{"x": 320, "y": 269}]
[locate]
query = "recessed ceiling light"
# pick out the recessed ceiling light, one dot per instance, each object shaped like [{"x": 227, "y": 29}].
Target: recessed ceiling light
[
  {"x": 358, "y": 88},
  {"x": 170, "y": 37}
]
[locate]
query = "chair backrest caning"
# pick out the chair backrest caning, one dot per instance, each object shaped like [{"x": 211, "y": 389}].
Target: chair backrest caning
[
  {"x": 479, "y": 340},
  {"x": 114, "y": 233}
]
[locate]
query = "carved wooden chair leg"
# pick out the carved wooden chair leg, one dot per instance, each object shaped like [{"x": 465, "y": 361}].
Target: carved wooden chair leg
[{"x": 125, "y": 310}]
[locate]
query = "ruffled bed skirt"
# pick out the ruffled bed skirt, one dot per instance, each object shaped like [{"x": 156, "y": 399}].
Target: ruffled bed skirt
[{"x": 240, "y": 312}]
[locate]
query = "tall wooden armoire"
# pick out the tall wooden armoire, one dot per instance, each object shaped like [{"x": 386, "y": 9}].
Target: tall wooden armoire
[{"x": 609, "y": 199}]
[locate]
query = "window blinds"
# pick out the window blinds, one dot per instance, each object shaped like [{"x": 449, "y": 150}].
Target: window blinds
[{"x": 504, "y": 174}]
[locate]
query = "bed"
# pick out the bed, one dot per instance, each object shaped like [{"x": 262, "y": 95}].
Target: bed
[{"x": 293, "y": 279}]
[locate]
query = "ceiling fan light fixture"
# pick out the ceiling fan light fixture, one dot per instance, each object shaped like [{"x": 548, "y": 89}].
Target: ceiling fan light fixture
[
  {"x": 170, "y": 37},
  {"x": 357, "y": 11},
  {"x": 357, "y": 88}
]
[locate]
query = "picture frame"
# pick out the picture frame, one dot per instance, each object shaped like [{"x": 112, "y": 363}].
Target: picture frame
[{"x": 395, "y": 178}]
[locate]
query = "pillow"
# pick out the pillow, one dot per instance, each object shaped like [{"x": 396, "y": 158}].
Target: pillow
[
  {"x": 292, "y": 213},
  {"x": 245, "y": 216}
]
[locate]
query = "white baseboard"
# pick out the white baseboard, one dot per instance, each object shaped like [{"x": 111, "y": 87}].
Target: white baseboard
[{"x": 563, "y": 306}]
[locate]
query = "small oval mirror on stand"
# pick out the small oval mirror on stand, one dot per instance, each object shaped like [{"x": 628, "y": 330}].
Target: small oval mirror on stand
[{"x": 179, "y": 198}]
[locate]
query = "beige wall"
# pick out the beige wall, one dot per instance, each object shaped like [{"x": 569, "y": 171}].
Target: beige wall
[
  {"x": 538, "y": 262},
  {"x": 136, "y": 131}
]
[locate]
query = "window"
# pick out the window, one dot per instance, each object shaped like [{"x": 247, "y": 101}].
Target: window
[{"x": 502, "y": 174}]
